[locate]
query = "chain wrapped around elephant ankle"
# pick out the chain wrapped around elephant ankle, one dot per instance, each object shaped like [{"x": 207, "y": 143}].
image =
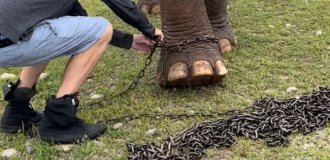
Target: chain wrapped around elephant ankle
[{"x": 174, "y": 47}]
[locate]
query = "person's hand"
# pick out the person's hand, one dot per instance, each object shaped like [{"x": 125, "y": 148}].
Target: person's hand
[
  {"x": 142, "y": 44},
  {"x": 159, "y": 33}
]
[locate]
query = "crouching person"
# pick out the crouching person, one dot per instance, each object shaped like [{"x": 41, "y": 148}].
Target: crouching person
[{"x": 32, "y": 34}]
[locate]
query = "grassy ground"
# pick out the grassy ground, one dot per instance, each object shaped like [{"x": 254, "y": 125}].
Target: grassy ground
[{"x": 278, "y": 48}]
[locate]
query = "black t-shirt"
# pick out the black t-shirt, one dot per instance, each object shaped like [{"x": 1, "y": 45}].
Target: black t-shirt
[{"x": 17, "y": 17}]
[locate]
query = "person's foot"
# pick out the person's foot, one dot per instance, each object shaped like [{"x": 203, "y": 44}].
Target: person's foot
[
  {"x": 60, "y": 124},
  {"x": 18, "y": 114}
]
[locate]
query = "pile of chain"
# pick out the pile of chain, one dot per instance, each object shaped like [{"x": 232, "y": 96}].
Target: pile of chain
[{"x": 270, "y": 120}]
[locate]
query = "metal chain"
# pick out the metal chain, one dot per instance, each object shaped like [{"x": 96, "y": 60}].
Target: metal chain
[
  {"x": 132, "y": 86},
  {"x": 270, "y": 120},
  {"x": 160, "y": 116},
  {"x": 139, "y": 76},
  {"x": 178, "y": 46}
]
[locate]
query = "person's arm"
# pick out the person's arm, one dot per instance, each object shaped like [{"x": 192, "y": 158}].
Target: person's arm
[
  {"x": 129, "y": 13},
  {"x": 77, "y": 10}
]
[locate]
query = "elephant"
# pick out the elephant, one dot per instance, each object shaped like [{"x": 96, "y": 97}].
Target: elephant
[
  {"x": 149, "y": 6},
  {"x": 196, "y": 35}
]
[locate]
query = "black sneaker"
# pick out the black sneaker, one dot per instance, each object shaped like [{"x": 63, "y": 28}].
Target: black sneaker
[
  {"x": 60, "y": 124},
  {"x": 18, "y": 114}
]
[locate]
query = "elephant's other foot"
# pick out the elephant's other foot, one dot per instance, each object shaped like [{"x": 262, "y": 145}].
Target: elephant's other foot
[
  {"x": 155, "y": 10},
  {"x": 218, "y": 15},
  {"x": 145, "y": 9},
  {"x": 149, "y": 7},
  {"x": 224, "y": 46}
]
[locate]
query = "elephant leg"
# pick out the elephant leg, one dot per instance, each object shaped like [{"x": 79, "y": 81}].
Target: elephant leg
[
  {"x": 190, "y": 55},
  {"x": 218, "y": 15},
  {"x": 149, "y": 6}
]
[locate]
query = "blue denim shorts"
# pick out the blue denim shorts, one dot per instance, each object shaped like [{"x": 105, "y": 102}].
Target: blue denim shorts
[{"x": 65, "y": 36}]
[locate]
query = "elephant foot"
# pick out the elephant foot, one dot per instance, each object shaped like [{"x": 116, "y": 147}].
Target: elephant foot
[
  {"x": 201, "y": 73},
  {"x": 226, "y": 39},
  {"x": 149, "y": 7},
  {"x": 225, "y": 46},
  {"x": 218, "y": 15},
  {"x": 201, "y": 64},
  {"x": 145, "y": 9}
]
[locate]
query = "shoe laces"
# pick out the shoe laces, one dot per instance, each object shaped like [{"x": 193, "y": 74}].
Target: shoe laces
[
  {"x": 79, "y": 120},
  {"x": 31, "y": 109}
]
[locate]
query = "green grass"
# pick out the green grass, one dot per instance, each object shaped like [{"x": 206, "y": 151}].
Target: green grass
[{"x": 270, "y": 57}]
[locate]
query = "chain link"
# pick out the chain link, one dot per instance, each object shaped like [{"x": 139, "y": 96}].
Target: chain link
[
  {"x": 139, "y": 76},
  {"x": 132, "y": 86},
  {"x": 180, "y": 45},
  {"x": 270, "y": 120},
  {"x": 160, "y": 116}
]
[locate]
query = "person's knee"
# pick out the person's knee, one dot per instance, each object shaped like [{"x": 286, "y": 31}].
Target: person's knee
[
  {"x": 108, "y": 32},
  {"x": 107, "y": 35}
]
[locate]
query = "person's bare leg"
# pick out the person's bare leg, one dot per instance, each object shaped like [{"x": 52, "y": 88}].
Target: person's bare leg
[
  {"x": 80, "y": 65},
  {"x": 30, "y": 75}
]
